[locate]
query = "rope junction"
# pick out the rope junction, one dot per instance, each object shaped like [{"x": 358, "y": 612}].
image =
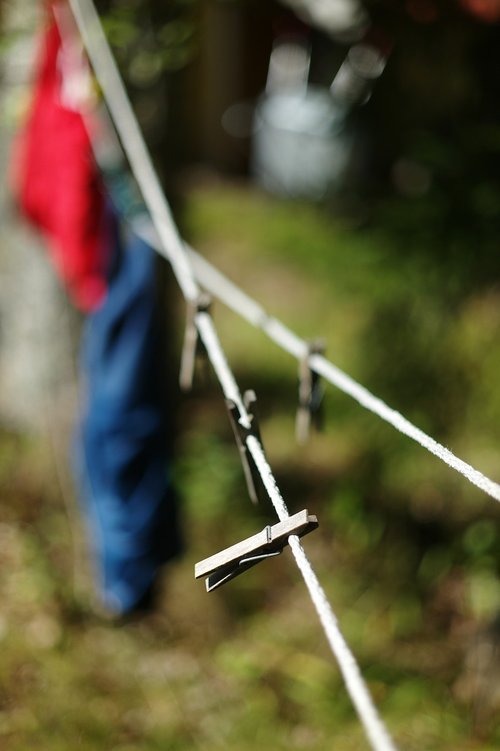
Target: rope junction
[{"x": 190, "y": 270}]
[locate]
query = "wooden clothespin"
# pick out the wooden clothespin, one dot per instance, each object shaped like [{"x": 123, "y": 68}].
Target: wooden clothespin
[
  {"x": 231, "y": 562},
  {"x": 193, "y": 346},
  {"x": 253, "y": 479},
  {"x": 310, "y": 394}
]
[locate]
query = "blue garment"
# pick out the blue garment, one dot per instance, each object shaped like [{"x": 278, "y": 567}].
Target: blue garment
[{"x": 122, "y": 454}]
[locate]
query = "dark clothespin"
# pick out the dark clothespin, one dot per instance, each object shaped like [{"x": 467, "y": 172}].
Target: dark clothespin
[
  {"x": 253, "y": 479},
  {"x": 193, "y": 346},
  {"x": 310, "y": 393},
  {"x": 226, "y": 565}
]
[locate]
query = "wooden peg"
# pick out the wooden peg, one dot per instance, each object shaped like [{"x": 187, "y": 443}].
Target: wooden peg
[
  {"x": 256, "y": 489},
  {"x": 310, "y": 394},
  {"x": 193, "y": 346},
  {"x": 231, "y": 562}
]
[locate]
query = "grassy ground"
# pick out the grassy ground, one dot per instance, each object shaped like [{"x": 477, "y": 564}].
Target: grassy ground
[{"x": 407, "y": 552}]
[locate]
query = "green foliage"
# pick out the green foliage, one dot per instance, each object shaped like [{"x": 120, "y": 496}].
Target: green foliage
[{"x": 150, "y": 41}]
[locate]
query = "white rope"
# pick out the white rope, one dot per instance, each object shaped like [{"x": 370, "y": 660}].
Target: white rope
[
  {"x": 171, "y": 244},
  {"x": 356, "y": 687},
  {"x": 380, "y": 408},
  {"x": 349, "y": 668},
  {"x": 219, "y": 286},
  {"x": 219, "y": 363},
  {"x": 133, "y": 143}
]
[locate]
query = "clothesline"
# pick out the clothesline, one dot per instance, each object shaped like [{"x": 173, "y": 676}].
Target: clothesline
[
  {"x": 173, "y": 248},
  {"x": 238, "y": 301},
  {"x": 243, "y": 305}
]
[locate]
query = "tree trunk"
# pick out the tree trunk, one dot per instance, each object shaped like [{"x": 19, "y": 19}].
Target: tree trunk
[{"x": 38, "y": 329}]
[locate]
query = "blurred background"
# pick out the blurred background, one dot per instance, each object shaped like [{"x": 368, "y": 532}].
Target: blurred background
[{"x": 341, "y": 163}]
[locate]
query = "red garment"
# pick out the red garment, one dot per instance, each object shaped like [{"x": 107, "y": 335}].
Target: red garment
[{"x": 57, "y": 181}]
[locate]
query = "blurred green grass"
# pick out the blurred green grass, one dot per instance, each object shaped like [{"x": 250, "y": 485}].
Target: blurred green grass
[{"x": 407, "y": 551}]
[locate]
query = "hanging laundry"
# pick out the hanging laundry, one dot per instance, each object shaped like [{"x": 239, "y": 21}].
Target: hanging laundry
[
  {"x": 122, "y": 443},
  {"x": 122, "y": 462},
  {"x": 55, "y": 177}
]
